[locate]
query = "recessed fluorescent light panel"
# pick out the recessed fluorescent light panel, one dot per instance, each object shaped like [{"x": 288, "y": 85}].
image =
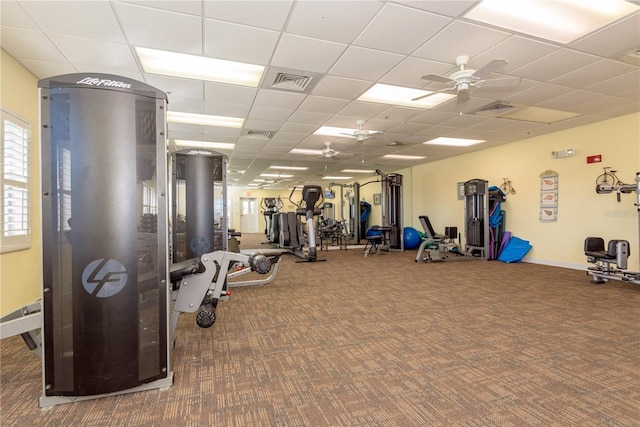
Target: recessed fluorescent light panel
[
  {"x": 337, "y": 177},
  {"x": 357, "y": 171},
  {"x": 306, "y": 151},
  {"x": 204, "y": 119},
  {"x": 199, "y": 67},
  {"x": 560, "y": 21},
  {"x": 398, "y": 95},
  {"x": 454, "y": 142},
  {"x": 204, "y": 144},
  {"x": 275, "y": 175},
  {"x": 403, "y": 157},
  {"x": 334, "y": 131},
  {"x": 290, "y": 168}
]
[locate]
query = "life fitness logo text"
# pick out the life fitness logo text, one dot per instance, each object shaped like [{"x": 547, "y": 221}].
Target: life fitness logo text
[
  {"x": 104, "y": 278},
  {"x": 94, "y": 81}
]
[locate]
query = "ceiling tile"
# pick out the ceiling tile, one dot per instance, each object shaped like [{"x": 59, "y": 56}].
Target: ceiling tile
[
  {"x": 32, "y": 45},
  {"x": 190, "y": 7},
  {"x": 554, "y": 65},
  {"x": 340, "y": 87},
  {"x": 263, "y": 124},
  {"x": 303, "y": 53},
  {"x": 322, "y": 104},
  {"x": 537, "y": 93},
  {"x": 594, "y": 73},
  {"x": 263, "y": 14},
  {"x": 460, "y": 38},
  {"x": 147, "y": 27},
  {"x": 43, "y": 70},
  {"x": 358, "y": 62},
  {"x": 619, "y": 85},
  {"x": 306, "y": 117},
  {"x": 517, "y": 50},
  {"x": 226, "y": 109},
  {"x": 92, "y": 20},
  {"x": 13, "y": 15},
  {"x": 338, "y": 21},
  {"x": 444, "y": 7},
  {"x": 570, "y": 101},
  {"x": 238, "y": 42},
  {"x": 278, "y": 99},
  {"x": 232, "y": 94},
  {"x": 96, "y": 53},
  {"x": 362, "y": 109},
  {"x": 613, "y": 39},
  {"x": 175, "y": 86},
  {"x": 400, "y": 29},
  {"x": 272, "y": 114}
]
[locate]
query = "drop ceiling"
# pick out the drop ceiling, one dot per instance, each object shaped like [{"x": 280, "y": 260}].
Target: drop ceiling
[{"x": 345, "y": 47}]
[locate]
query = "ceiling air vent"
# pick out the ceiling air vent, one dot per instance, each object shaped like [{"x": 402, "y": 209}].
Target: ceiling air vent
[
  {"x": 290, "y": 80},
  {"x": 260, "y": 133},
  {"x": 496, "y": 109}
]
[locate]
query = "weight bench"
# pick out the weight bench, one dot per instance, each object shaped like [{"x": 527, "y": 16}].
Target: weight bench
[
  {"x": 377, "y": 242},
  {"x": 610, "y": 263}
]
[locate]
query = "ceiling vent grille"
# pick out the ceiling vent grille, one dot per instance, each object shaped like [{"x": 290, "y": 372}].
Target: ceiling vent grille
[
  {"x": 291, "y": 82},
  {"x": 260, "y": 133},
  {"x": 496, "y": 109}
]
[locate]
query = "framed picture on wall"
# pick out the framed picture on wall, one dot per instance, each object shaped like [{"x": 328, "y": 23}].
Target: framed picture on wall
[
  {"x": 460, "y": 188},
  {"x": 377, "y": 199}
]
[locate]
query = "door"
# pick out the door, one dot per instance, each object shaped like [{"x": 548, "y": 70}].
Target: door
[{"x": 248, "y": 215}]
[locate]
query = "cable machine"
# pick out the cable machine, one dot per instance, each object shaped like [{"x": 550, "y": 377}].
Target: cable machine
[{"x": 104, "y": 227}]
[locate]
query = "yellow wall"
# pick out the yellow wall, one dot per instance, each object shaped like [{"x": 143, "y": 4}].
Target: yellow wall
[
  {"x": 581, "y": 212},
  {"x": 20, "y": 271}
]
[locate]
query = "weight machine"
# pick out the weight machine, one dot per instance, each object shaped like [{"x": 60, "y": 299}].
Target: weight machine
[
  {"x": 610, "y": 262},
  {"x": 103, "y": 318}
]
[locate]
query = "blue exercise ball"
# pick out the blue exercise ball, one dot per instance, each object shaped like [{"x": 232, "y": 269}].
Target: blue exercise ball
[
  {"x": 372, "y": 233},
  {"x": 411, "y": 238}
]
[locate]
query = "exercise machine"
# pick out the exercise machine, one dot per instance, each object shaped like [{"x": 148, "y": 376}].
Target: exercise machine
[
  {"x": 480, "y": 204},
  {"x": 292, "y": 229},
  {"x": 611, "y": 262},
  {"x": 198, "y": 203},
  {"x": 437, "y": 247},
  {"x": 270, "y": 208},
  {"x": 105, "y": 290},
  {"x": 392, "y": 209},
  {"x": 198, "y": 284}
]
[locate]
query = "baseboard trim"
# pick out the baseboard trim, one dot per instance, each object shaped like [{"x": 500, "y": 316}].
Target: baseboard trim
[{"x": 550, "y": 263}]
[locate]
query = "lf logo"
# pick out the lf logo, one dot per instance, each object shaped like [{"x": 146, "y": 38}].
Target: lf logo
[
  {"x": 104, "y": 278},
  {"x": 200, "y": 245}
]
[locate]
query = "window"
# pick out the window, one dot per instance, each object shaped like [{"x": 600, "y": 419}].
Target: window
[{"x": 14, "y": 181}]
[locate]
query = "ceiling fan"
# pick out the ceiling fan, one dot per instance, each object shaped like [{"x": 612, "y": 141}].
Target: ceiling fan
[
  {"x": 330, "y": 153},
  {"x": 464, "y": 80},
  {"x": 361, "y": 134}
]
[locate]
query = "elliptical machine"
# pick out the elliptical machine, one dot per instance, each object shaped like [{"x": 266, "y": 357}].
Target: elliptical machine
[
  {"x": 292, "y": 228},
  {"x": 271, "y": 206}
]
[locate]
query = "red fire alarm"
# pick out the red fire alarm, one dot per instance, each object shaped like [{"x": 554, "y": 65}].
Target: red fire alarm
[{"x": 594, "y": 159}]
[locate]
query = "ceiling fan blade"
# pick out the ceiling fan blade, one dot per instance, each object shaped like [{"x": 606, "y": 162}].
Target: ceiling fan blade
[
  {"x": 437, "y": 78},
  {"x": 507, "y": 82},
  {"x": 350, "y": 135},
  {"x": 463, "y": 96},
  {"x": 431, "y": 94},
  {"x": 489, "y": 68}
]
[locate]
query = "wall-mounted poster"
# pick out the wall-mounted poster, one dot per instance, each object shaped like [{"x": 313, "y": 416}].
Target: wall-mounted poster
[{"x": 549, "y": 196}]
